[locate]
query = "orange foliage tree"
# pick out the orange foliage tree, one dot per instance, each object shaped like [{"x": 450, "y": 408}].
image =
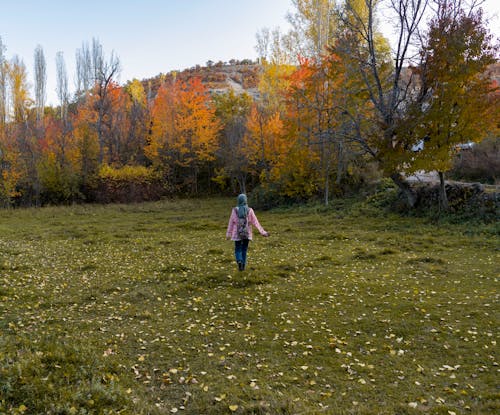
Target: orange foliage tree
[
  {"x": 265, "y": 144},
  {"x": 184, "y": 132},
  {"x": 158, "y": 148},
  {"x": 59, "y": 167},
  {"x": 117, "y": 126},
  {"x": 197, "y": 129}
]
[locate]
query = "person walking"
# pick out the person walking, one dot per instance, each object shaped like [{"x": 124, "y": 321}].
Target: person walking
[{"x": 239, "y": 230}]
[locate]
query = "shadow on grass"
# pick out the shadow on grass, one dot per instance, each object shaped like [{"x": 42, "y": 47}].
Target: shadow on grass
[
  {"x": 364, "y": 256},
  {"x": 243, "y": 279},
  {"x": 4, "y": 266},
  {"x": 333, "y": 236},
  {"x": 425, "y": 260},
  {"x": 198, "y": 226}
]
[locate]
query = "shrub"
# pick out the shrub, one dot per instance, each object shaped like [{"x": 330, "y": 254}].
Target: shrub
[
  {"x": 267, "y": 197},
  {"x": 128, "y": 184},
  {"x": 58, "y": 184},
  {"x": 480, "y": 163},
  {"x": 384, "y": 194}
]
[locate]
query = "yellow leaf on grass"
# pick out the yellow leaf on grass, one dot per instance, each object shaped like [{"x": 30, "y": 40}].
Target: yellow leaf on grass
[{"x": 233, "y": 408}]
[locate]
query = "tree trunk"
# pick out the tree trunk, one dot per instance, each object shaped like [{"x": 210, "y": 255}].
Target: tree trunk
[
  {"x": 443, "y": 198},
  {"x": 340, "y": 163},
  {"x": 327, "y": 185},
  {"x": 99, "y": 137},
  {"x": 404, "y": 186},
  {"x": 194, "y": 188},
  {"x": 242, "y": 184}
]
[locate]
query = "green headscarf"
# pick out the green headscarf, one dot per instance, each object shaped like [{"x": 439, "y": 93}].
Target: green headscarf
[{"x": 242, "y": 205}]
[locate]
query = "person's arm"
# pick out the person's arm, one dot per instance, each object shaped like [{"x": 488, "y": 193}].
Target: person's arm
[
  {"x": 255, "y": 222},
  {"x": 230, "y": 225}
]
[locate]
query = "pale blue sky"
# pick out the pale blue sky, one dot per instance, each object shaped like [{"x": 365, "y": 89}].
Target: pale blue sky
[{"x": 149, "y": 36}]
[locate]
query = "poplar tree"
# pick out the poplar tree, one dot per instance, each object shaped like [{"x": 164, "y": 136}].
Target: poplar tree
[
  {"x": 3, "y": 88},
  {"x": 62, "y": 85},
  {"x": 40, "y": 83}
]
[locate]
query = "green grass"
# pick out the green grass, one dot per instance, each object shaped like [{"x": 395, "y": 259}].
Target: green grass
[{"x": 140, "y": 310}]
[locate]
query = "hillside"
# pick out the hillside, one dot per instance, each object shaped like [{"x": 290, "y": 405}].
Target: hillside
[
  {"x": 237, "y": 75},
  {"x": 219, "y": 77}
]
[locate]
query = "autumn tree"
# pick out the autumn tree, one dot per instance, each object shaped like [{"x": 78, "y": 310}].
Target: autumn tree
[
  {"x": 162, "y": 132},
  {"x": 23, "y": 145},
  {"x": 184, "y": 132},
  {"x": 384, "y": 77},
  {"x": 58, "y": 170},
  {"x": 12, "y": 168},
  {"x": 265, "y": 143},
  {"x": 273, "y": 83},
  {"x": 59, "y": 166},
  {"x": 317, "y": 97},
  {"x": 19, "y": 90},
  {"x": 139, "y": 120},
  {"x": 117, "y": 121},
  {"x": 197, "y": 129},
  {"x": 5, "y": 187},
  {"x": 313, "y": 26},
  {"x": 457, "y": 101},
  {"x": 104, "y": 74},
  {"x": 3, "y": 88},
  {"x": 87, "y": 142},
  {"x": 319, "y": 115},
  {"x": 232, "y": 110}
]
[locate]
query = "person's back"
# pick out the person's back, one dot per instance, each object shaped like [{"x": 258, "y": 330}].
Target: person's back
[{"x": 239, "y": 229}]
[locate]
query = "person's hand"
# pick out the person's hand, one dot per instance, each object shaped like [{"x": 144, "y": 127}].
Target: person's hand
[{"x": 267, "y": 234}]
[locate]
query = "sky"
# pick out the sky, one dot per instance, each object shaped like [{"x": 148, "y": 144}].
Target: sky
[{"x": 148, "y": 36}]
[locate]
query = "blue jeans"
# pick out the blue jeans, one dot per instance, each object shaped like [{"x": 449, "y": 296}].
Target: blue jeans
[{"x": 240, "y": 250}]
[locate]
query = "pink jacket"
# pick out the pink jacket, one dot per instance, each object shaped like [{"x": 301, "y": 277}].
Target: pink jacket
[{"x": 232, "y": 227}]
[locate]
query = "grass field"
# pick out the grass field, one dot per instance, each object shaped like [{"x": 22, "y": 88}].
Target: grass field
[{"x": 140, "y": 310}]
